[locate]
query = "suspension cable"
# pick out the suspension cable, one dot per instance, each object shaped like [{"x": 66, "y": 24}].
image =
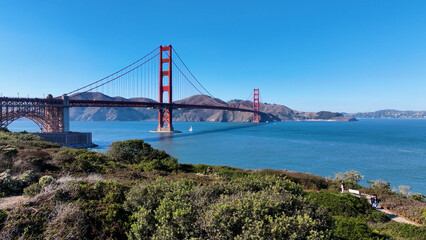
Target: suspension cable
[
  {"x": 111, "y": 74},
  {"x": 191, "y": 73},
  {"x": 115, "y": 77}
]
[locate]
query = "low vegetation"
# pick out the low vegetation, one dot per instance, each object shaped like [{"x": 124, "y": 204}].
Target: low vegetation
[{"x": 134, "y": 191}]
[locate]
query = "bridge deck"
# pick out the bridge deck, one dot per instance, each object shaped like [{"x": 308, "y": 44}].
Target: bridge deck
[
  {"x": 95, "y": 103},
  {"x": 42, "y": 102}
]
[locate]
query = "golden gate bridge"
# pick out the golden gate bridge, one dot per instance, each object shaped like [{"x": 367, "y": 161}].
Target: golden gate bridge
[{"x": 155, "y": 76}]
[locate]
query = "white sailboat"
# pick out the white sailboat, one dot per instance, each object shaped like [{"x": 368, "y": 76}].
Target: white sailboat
[{"x": 190, "y": 129}]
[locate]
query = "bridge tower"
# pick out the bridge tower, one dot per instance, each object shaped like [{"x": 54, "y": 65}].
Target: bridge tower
[
  {"x": 165, "y": 123},
  {"x": 256, "y": 105}
]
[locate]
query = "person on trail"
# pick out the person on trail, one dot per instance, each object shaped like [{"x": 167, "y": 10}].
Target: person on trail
[
  {"x": 376, "y": 202},
  {"x": 372, "y": 201},
  {"x": 342, "y": 185}
]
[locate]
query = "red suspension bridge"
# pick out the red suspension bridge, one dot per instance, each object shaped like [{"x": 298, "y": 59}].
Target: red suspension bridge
[{"x": 155, "y": 76}]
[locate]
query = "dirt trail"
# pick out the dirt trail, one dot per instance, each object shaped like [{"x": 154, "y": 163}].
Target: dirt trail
[
  {"x": 393, "y": 216},
  {"x": 11, "y": 202}
]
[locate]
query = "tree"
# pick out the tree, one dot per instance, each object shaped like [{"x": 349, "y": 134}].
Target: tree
[
  {"x": 379, "y": 185},
  {"x": 349, "y": 176},
  {"x": 403, "y": 189}
]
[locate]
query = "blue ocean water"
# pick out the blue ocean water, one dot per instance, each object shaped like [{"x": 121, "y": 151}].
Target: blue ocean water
[{"x": 393, "y": 150}]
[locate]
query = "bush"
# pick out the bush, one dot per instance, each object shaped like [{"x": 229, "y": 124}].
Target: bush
[
  {"x": 345, "y": 205},
  {"x": 10, "y": 184},
  {"x": 228, "y": 172},
  {"x": 32, "y": 190},
  {"x": 8, "y": 151},
  {"x": 377, "y": 217},
  {"x": 101, "y": 205},
  {"x": 134, "y": 152},
  {"x": 82, "y": 160},
  {"x": 142, "y": 154},
  {"x": 266, "y": 215},
  {"x": 396, "y": 230},
  {"x": 167, "y": 165},
  {"x": 257, "y": 182},
  {"x": 162, "y": 209},
  {"x": 266, "y": 205},
  {"x": 352, "y": 229},
  {"x": 308, "y": 181},
  {"x": 27, "y": 221},
  {"x": 43, "y": 181},
  {"x": 35, "y": 188},
  {"x": 418, "y": 197},
  {"x": 67, "y": 221},
  {"x": 3, "y": 216}
]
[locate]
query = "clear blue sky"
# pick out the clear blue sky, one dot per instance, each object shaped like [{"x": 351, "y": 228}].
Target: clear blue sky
[{"x": 309, "y": 55}]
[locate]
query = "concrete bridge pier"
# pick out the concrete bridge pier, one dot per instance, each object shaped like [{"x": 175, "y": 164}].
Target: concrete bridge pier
[
  {"x": 66, "y": 113},
  {"x": 58, "y": 126}
]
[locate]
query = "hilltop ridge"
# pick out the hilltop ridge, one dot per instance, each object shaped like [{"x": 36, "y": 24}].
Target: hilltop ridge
[
  {"x": 272, "y": 112},
  {"x": 389, "y": 113}
]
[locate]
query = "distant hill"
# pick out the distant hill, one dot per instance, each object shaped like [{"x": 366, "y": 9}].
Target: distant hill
[
  {"x": 272, "y": 112},
  {"x": 389, "y": 113}
]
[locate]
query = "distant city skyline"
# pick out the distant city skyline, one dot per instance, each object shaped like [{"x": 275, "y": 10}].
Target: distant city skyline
[{"x": 344, "y": 56}]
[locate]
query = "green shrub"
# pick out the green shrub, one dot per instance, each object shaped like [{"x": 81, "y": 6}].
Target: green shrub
[
  {"x": 179, "y": 209},
  {"x": 229, "y": 172},
  {"x": 166, "y": 164},
  {"x": 101, "y": 203},
  {"x": 378, "y": 217},
  {"x": 3, "y": 216},
  {"x": 418, "y": 197},
  {"x": 43, "y": 181},
  {"x": 134, "y": 151},
  {"x": 338, "y": 204},
  {"x": 27, "y": 222},
  {"x": 35, "y": 188},
  {"x": 150, "y": 195},
  {"x": 308, "y": 181},
  {"x": 196, "y": 168},
  {"x": 352, "y": 228},
  {"x": 32, "y": 190},
  {"x": 265, "y": 215},
  {"x": 8, "y": 151},
  {"x": 15, "y": 184},
  {"x": 162, "y": 209},
  {"x": 142, "y": 154},
  {"x": 67, "y": 221},
  {"x": 257, "y": 182},
  {"x": 82, "y": 160},
  {"x": 397, "y": 230}
]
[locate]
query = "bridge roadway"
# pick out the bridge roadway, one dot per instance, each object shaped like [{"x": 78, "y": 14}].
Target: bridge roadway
[{"x": 55, "y": 102}]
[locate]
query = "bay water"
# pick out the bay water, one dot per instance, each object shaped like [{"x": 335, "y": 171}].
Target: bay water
[{"x": 393, "y": 150}]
